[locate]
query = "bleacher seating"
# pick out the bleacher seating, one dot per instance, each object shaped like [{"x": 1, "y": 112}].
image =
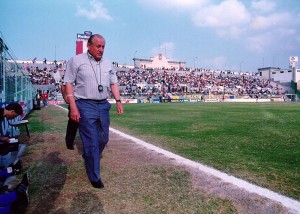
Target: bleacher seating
[{"x": 154, "y": 82}]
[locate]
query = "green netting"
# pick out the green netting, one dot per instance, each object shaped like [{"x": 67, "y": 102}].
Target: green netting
[{"x": 14, "y": 84}]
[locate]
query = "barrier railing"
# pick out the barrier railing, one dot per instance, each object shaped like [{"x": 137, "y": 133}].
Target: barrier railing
[{"x": 15, "y": 86}]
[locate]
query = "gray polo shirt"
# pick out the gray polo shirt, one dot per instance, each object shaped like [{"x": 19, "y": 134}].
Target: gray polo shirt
[{"x": 86, "y": 74}]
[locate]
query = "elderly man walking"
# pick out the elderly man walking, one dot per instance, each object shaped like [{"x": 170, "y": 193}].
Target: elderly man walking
[{"x": 89, "y": 78}]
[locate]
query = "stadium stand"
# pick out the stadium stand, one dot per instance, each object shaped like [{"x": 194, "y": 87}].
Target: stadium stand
[
  {"x": 154, "y": 83},
  {"x": 137, "y": 83}
]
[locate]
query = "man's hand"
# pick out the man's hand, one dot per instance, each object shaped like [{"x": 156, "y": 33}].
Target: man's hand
[
  {"x": 120, "y": 109},
  {"x": 4, "y": 139},
  {"x": 74, "y": 113}
]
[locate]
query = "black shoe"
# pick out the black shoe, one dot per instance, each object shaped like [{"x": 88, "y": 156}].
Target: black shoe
[
  {"x": 4, "y": 189},
  {"x": 26, "y": 179},
  {"x": 16, "y": 167},
  {"x": 70, "y": 146},
  {"x": 98, "y": 184},
  {"x": 22, "y": 202}
]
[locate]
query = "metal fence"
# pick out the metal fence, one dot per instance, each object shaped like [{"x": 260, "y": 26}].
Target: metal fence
[{"x": 15, "y": 86}]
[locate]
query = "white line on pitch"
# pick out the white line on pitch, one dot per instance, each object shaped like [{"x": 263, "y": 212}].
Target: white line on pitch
[{"x": 286, "y": 201}]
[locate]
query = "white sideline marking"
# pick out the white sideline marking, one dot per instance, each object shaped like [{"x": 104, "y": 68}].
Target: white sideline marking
[
  {"x": 292, "y": 204},
  {"x": 286, "y": 201}
]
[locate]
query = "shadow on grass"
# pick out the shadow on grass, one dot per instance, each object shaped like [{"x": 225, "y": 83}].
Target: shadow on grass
[
  {"x": 49, "y": 176},
  {"x": 86, "y": 202}
]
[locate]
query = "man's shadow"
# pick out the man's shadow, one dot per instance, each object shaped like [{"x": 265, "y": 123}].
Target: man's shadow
[
  {"x": 48, "y": 183},
  {"x": 86, "y": 202}
]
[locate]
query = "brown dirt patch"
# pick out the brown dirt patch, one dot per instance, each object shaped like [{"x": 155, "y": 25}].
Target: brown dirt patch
[{"x": 137, "y": 180}]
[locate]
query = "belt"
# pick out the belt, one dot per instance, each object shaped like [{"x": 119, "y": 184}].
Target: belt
[{"x": 98, "y": 101}]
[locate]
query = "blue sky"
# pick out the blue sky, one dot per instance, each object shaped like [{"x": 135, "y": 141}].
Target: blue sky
[{"x": 212, "y": 34}]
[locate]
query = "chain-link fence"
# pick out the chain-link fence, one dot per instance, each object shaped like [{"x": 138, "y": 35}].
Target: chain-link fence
[{"x": 15, "y": 86}]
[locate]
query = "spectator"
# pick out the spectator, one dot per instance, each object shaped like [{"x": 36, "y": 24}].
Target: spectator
[
  {"x": 13, "y": 169},
  {"x": 45, "y": 96},
  {"x": 15, "y": 201},
  {"x": 38, "y": 98},
  {"x": 15, "y": 150},
  {"x": 11, "y": 111}
]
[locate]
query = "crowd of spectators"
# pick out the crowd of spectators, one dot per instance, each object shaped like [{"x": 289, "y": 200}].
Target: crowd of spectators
[
  {"x": 45, "y": 73},
  {"x": 156, "y": 82},
  {"x": 41, "y": 75}
]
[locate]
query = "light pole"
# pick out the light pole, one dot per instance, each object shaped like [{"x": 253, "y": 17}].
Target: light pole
[
  {"x": 241, "y": 66},
  {"x": 274, "y": 60},
  {"x": 195, "y": 62},
  {"x": 134, "y": 59}
]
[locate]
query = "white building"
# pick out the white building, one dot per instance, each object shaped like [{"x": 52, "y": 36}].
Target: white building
[
  {"x": 282, "y": 75},
  {"x": 158, "y": 62}
]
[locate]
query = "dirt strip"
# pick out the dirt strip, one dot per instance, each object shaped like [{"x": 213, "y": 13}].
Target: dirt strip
[
  {"x": 243, "y": 200},
  {"x": 123, "y": 151}
]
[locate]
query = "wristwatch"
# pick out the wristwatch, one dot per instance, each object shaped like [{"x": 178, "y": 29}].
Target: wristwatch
[{"x": 118, "y": 101}]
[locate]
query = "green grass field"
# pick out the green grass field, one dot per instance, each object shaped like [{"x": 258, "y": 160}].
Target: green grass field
[
  {"x": 133, "y": 183},
  {"x": 258, "y": 142}
]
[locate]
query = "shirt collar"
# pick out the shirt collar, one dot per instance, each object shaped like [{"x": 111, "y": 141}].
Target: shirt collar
[{"x": 90, "y": 56}]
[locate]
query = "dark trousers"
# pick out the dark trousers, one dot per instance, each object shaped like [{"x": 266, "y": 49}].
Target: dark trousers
[
  {"x": 94, "y": 133},
  {"x": 71, "y": 130}
]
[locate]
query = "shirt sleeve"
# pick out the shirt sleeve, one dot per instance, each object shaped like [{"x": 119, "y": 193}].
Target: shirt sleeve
[
  {"x": 113, "y": 76},
  {"x": 71, "y": 71}
]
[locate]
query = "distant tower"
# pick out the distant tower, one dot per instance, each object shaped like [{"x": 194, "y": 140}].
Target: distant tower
[
  {"x": 294, "y": 66},
  {"x": 294, "y": 62},
  {"x": 81, "y": 42}
]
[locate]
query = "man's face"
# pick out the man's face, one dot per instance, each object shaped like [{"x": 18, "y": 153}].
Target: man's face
[
  {"x": 11, "y": 114},
  {"x": 96, "y": 48}
]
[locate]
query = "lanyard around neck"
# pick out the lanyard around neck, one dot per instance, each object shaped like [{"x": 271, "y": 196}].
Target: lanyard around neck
[{"x": 89, "y": 56}]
